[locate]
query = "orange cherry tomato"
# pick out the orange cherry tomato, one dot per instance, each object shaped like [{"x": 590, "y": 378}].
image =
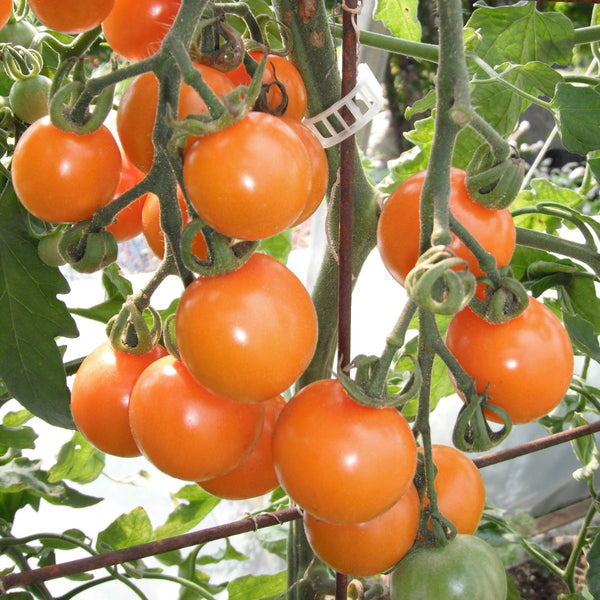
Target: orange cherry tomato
[
  {"x": 128, "y": 222},
  {"x": 71, "y": 16},
  {"x": 287, "y": 74},
  {"x": 319, "y": 168},
  {"x": 154, "y": 234},
  {"x": 256, "y": 475},
  {"x": 135, "y": 29},
  {"x": 62, "y": 177},
  {"x": 527, "y": 362},
  {"x": 338, "y": 460},
  {"x": 184, "y": 430},
  {"x": 5, "y": 12},
  {"x": 137, "y": 111},
  {"x": 398, "y": 227},
  {"x": 367, "y": 549},
  {"x": 459, "y": 487},
  {"x": 262, "y": 186},
  {"x": 247, "y": 335},
  {"x": 100, "y": 397}
]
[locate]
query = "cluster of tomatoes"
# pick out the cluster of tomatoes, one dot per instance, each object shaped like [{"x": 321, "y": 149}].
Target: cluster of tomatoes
[
  {"x": 351, "y": 469},
  {"x": 207, "y": 415},
  {"x": 525, "y": 365}
]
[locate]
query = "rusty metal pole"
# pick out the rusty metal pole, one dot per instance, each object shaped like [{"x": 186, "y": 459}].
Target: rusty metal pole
[
  {"x": 347, "y": 157},
  {"x": 346, "y": 212}
]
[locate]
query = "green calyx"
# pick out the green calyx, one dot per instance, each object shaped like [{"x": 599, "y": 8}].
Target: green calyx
[
  {"x": 360, "y": 388},
  {"x": 472, "y": 432},
  {"x": 87, "y": 252},
  {"x": 502, "y": 303},
  {"x": 491, "y": 183},
  {"x": 224, "y": 256},
  {"x": 71, "y": 99},
  {"x": 129, "y": 332}
]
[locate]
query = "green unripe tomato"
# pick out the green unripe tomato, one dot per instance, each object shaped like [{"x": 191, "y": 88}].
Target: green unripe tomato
[
  {"x": 29, "y": 98},
  {"x": 19, "y": 33},
  {"x": 466, "y": 568}
]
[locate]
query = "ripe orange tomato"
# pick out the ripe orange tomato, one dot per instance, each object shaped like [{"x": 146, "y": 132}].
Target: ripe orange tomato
[
  {"x": 5, "y": 12},
  {"x": 287, "y": 74},
  {"x": 338, "y": 460},
  {"x": 100, "y": 397},
  {"x": 256, "y": 475},
  {"x": 154, "y": 234},
  {"x": 371, "y": 548},
  {"x": 398, "y": 227},
  {"x": 71, "y": 16},
  {"x": 184, "y": 430},
  {"x": 527, "y": 362},
  {"x": 262, "y": 187},
  {"x": 319, "y": 168},
  {"x": 128, "y": 222},
  {"x": 459, "y": 487},
  {"x": 137, "y": 111},
  {"x": 62, "y": 177},
  {"x": 249, "y": 334},
  {"x": 135, "y": 29}
]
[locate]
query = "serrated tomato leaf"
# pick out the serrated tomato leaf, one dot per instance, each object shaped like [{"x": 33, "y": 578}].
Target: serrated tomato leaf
[
  {"x": 520, "y": 33},
  {"x": 578, "y": 117},
  {"x": 31, "y": 318},
  {"x": 400, "y": 17}
]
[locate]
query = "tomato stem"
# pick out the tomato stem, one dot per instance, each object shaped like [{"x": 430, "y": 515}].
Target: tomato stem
[
  {"x": 394, "y": 342},
  {"x": 428, "y": 332}
]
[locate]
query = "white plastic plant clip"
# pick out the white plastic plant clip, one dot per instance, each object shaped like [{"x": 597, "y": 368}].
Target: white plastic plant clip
[{"x": 364, "y": 102}]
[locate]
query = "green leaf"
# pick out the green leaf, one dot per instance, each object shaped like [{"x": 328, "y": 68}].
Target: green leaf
[
  {"x": 226, "y": 553},
  {"x": 578, "y": 118},
  {"x": 127, "y": 530},
  {"x": 274, "y": 539},
  {"x": 193, "y": 505},
  {"x": 592, "y": 576},
  {"x": 412, "y": 161},
  {"x": 583, "y": 300},
  {"x": 16, "y": 418},
  {"x": 584, "y": 446},
  {"x": 26, "y": 475},
  {"x": 65, "y": 543},
  {"x": 17, "y": 437},
  {"x": 523, "y": 257},
  {"x": 423, "y": 105},
  {"x": 441, "y": 387},
  {"x": 582, "y": 335},
  {"x": 593, "y": 161},
  {"x": 115, "y": 285},
  {"x": 512, "y": 593},
  {"x": 278, "y": 246},
  {"x": 400, "y": 17},
  {"x": 31, "y": 318},
  {"x": 116, "y": 288},
  {"x": 543, "y": 190},
  {"x": 501, "y": 106},
  {"x": 77, "y": 461},
  {"x": 262, "y": 587},
  {"x": 519, "y": 34}
]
